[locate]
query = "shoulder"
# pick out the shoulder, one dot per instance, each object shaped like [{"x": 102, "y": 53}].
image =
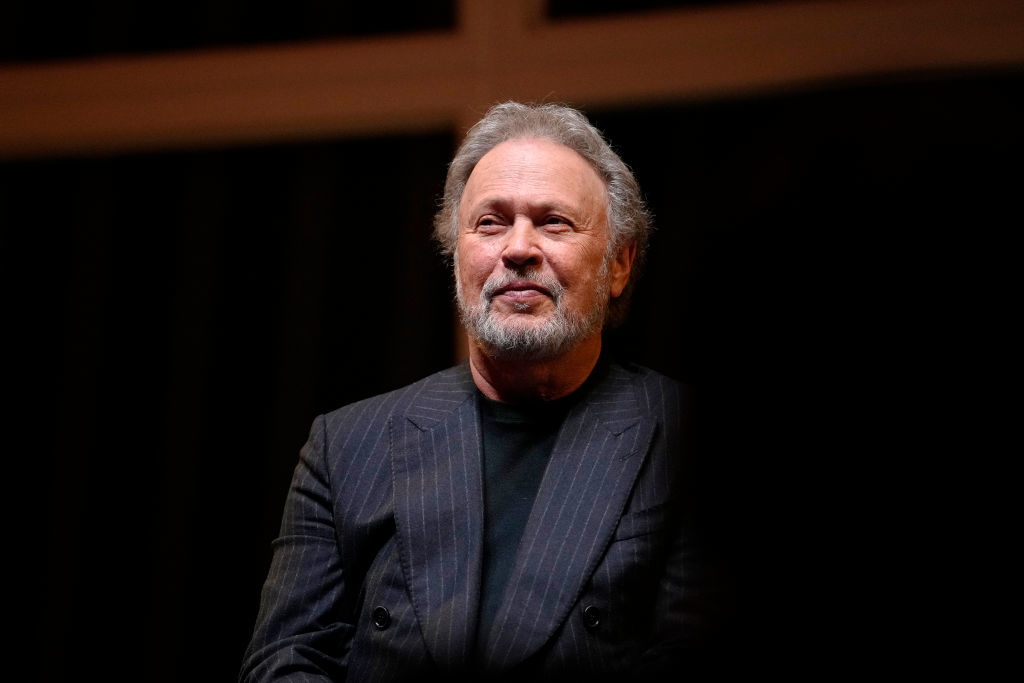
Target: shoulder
[
  {"x": 653, "y": 390},
  {"x": 431, "y": 392}
]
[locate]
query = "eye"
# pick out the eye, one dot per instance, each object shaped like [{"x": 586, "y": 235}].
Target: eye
[
  {"x": 489, "y": 224},
  {"x": 557, "y": 223}
]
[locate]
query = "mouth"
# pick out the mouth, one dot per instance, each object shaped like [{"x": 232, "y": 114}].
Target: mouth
[{"x": 520, "y": 289}]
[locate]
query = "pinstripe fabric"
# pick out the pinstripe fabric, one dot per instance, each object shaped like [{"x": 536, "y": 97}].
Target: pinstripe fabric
[
  {"x": 439, "y": 511},
  {"x": 385, "y": 510}
]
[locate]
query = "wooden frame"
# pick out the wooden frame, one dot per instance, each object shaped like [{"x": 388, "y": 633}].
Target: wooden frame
[{"x": 501, "y": 49}]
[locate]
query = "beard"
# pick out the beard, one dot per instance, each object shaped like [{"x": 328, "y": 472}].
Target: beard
[{"x": 534, "y": 339}]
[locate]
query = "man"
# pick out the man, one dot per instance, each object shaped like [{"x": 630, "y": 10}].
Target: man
[{"x": 521, "y": 515}]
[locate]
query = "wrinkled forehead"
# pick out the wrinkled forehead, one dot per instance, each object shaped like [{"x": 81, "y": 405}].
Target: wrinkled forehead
[{"x": 535, "y": 170}]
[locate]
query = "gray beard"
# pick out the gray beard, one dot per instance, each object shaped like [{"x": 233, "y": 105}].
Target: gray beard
[{"x": 509, "y": 339}]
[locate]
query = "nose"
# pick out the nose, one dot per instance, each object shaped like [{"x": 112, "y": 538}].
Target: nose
[{"x": 522, "y": 248}]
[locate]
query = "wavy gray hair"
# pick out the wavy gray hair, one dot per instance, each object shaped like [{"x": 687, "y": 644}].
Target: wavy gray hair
[{"x": 629, "y": 220}]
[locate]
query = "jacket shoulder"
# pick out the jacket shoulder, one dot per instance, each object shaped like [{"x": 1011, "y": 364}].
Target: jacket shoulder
[
  {"x": 431, "y": 393},
  {"x": 654, "y": 389}
]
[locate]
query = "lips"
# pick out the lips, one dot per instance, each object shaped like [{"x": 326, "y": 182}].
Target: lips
[{"x": 520, "y": 288}]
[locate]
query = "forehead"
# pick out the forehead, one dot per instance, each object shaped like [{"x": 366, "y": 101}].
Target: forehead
[{"x": 537, "y": 170}]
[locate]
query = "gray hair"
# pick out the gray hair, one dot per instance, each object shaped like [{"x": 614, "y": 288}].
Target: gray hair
[{"x": 629, "y": 221}]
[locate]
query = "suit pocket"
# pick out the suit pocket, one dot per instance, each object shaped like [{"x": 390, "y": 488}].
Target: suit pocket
[{"x": 641, "y": 522}]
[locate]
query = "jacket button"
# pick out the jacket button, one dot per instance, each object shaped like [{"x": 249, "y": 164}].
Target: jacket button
[
  {"x": 381, "y": 618},
  {"x": 591, "y": 617}
]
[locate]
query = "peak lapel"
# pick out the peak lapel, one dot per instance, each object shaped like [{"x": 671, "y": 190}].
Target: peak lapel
[
  {"x": 596, "y": 458},
  {"x": 439, "y": 514}
]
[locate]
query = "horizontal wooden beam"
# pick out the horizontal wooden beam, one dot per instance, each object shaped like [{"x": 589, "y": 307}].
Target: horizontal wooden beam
[{"x": 501, "y": 50}]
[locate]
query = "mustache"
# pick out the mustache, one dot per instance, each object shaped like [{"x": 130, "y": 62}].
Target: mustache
[{"x": 532, "y": 276}]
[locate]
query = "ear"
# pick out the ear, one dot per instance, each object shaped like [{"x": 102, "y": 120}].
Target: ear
[{"x": 621, "y": 267}]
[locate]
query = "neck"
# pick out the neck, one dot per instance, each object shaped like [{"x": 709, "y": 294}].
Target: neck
[{"x": 519, "y": 380}]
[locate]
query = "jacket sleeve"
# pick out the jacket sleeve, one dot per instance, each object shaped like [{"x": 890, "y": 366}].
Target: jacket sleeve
[
  {"x": 692, "y": 598},
  {"x": 688, "y": 611},
  {"x": 300, "y": 632}
]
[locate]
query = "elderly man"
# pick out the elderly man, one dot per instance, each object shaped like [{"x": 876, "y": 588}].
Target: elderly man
[{"x": 522, "y": 514}]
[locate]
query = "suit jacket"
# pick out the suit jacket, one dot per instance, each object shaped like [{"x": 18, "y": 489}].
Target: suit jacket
[{"x": 376, "y": 573}]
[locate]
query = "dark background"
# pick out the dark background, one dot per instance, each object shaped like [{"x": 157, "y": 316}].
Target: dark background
[{"x": 830, "y": 270}]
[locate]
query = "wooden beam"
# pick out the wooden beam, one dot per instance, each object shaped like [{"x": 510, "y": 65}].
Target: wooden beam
[{"x": 501, "y": 50}]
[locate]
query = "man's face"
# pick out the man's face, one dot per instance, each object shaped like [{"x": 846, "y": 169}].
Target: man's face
[{"x": 532, "y": 264}]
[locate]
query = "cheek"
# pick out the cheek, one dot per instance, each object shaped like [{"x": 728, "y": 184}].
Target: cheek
[
  {"x": 581, "y": 269},
  {"x": 473, "y": 267}
]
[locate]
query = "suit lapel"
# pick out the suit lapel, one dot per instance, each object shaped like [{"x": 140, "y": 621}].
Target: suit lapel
[
  {"x": 439, "y": 512},
  {"x": 596, "y": 458}
]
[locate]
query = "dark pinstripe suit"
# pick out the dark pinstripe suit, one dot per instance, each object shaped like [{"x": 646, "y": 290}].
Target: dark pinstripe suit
[{"x": 385, "y": 512}]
